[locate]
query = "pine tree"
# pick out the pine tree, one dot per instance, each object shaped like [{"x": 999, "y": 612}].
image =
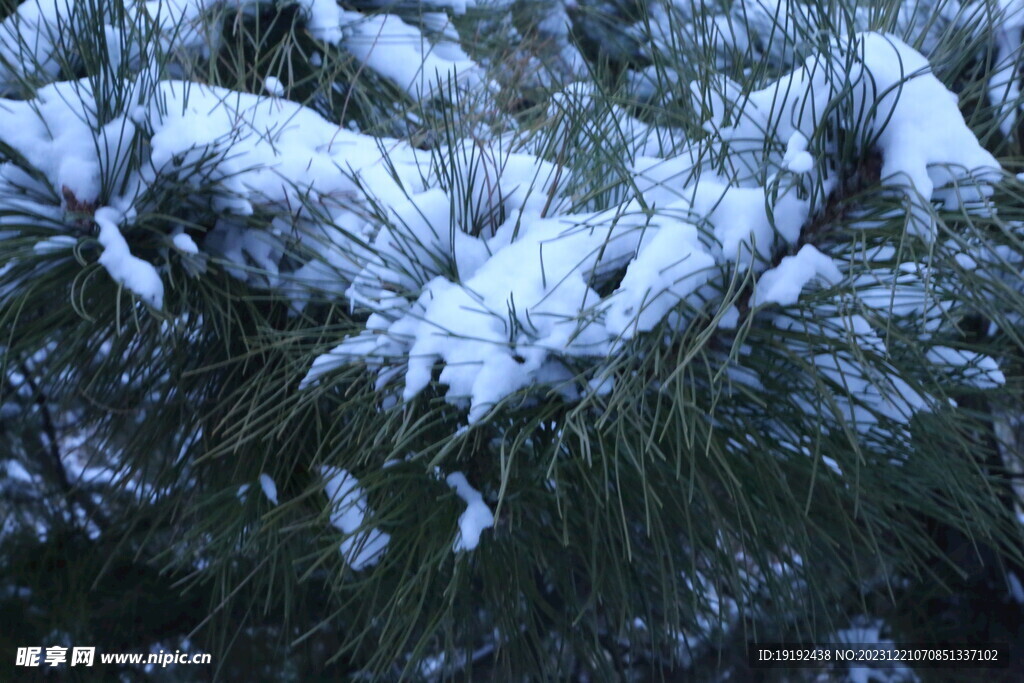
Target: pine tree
[{"x": 508, "y": 340}]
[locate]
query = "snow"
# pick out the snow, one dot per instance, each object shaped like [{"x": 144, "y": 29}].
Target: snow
[
  {"x": 1004, "y": 83},
  {"x": 797, "y": 159},
  {"x": 397, "y": 51},
  {"x": 133, "y": 273},
  {"x": 17, "y": 472},
  {"x": 498, "y": 312},
  {"x": 269, "y": 487},
  {"x": 55, "y": 244},
  {"x": 915, "y": 122},
  {"x": 500, "y": 278},
  {"x": 783, "y": 284},
  {"x": 975, "y": 369},
  {"x": 278, "y": 149},
  {"x": 273, "y": 86},
  {"x": 923, "y": 136},
  {"x": 457, "y": 6},
  {"x": 54, "y": 133},
  {"x": 669, "y": 267},
  {"x": 324, "y": 19},
  {"x": 360, "y": 547},
  {"x": 865, "y": 395},
  {"x": 252, "y": 151},
  {"x": 730, "y": 318},
  {"x": 28, "y": 40},
  {"x": 33, "y": 43},
  {"x": 476, "y": 517},
  {"x": 832, "y": 465},
  {"x": 543, "y": 274},
  {"x": 491, "y": 268},
  {"x": 185, "y": 244}
]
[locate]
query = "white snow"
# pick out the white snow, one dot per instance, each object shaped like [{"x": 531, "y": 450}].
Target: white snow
[
  {"x": 482, "y": 268},
  {"x": 975, "y": 369},
  {"x": 135, "y": 274},
  {"x": 185, "y": 244},
  {"x": 921, "y": 132},
  {"x": 55, "y": 133},
  {"x": 476, "y": 517},
  {"x": 457, "y": 6},
  {"x": 400, "y": 52},
  {"x": 797, "y": 158},
  {"x": 269, "y": 487},
  {"x": 515, "y": 271},
  {"x": 832, "y": 465},
  {"x": 670, "y": 266},
  {"x": 17, "y": 472},
  {"x": 730, "y": 319},
  {"x": 783, "y": 284},
  {"x": 325, "y": 19},
  {"x": 862, "y": 392},
  {"x": 498, "y": 312},
  {"x": 361, "y": 547},
  {"x": 254, "y": 151},
  {"x": 273, "y": 86},
  {"x": 1004, "y": 83},
  {"x": 28, "y": 40},
  {"x": 55, "y": 244}
]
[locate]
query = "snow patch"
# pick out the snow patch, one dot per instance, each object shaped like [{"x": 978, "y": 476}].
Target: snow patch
[
  {"x": 361, "y": 547},
  {"x": 273, "y": 86},
  {"x": 269, "y": 487},
  {"x": 783, "y": 284},
  {"x": 133, "y": 273},
  {"x": 476, "y": 517}
]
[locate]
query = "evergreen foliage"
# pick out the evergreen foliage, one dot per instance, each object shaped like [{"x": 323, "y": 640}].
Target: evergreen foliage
[{"x": 257, "y": 453}]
